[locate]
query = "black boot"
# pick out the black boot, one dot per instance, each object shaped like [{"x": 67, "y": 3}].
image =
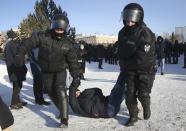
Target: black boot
[
  {"x": 133, "y": 112},
  {"x": 131, "y": 121},
  {"x": 63, "y": 108},
  {"x": 146, "y": 112},
  {"x": 146, "y": 108},
  {"x": 16, "y": 107},
  {"x": 131, "y": 103},
  {"x": 64, "y": 123}
]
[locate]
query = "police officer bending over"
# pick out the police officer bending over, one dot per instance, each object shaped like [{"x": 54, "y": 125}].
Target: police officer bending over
[
  {"x": 56, "y": 53},
  {"x": 137, "y": 58}
]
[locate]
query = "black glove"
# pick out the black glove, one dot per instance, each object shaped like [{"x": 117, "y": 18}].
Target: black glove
[
  {"x": 75, "y": 83},
  {"x": 19, "y": 60}
]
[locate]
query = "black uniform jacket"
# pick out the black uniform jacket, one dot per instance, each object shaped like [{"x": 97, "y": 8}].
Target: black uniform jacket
[
  {"x": 54, "y": 55},
  {"x": 91, "y": 103},
  {"x": 136, "y": 49}
]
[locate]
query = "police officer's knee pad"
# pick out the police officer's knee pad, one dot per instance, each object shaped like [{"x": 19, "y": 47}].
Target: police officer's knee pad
[{"x": 63, "y": 93}]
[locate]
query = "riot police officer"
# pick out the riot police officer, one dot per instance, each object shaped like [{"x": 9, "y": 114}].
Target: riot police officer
[
  {"x": 137, "y": 57},
  {"x": 56, "y": 54}
]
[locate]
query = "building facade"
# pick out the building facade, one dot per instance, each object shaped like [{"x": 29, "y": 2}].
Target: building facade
[
  {"x": 180, "y": 34},
  {"x": 97, "y": 39}
]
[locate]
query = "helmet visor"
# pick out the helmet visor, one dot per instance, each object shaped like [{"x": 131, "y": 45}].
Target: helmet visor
[
  {"x": 60, "y": 24},
  {"x": 132, "y": 15}
]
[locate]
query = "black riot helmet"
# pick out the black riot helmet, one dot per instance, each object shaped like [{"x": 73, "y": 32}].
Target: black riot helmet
[
  {"x": 133, "y": 12},
  {"x": 60, "y": 21}
]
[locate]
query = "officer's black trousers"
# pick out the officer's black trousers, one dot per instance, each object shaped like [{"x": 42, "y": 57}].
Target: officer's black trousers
[
  {"x": 55, "y": 84},
  {"x": 138, "y": 86}
]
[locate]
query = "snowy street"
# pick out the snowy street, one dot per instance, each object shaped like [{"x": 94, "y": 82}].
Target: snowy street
[{"x": 168, "y": 103}]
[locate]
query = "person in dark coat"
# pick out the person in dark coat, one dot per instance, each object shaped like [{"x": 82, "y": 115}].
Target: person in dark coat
[
  {"x": 160, "y": 50},
  {"x": 16, "y": 74},
  {"x": 92, "y": 103},
  {"x": 168, "y": 51},
  {"x": 100, "y": 53},
  {"x": 184, "y": 51},
  {"x": 137, "y": 56},
  {"x": 37, "y": 75},
  {"x": 175, "y": 52},
  {"x": 81, "y": 54},
  {"x": 56, "y": 54}
]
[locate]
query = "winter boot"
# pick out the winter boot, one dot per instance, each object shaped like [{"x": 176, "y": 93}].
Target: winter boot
[
  {"x": 16, "y": 107},
  {"x": 63, "y": 108},
  {"x": 146, "y": 112},
  {"x": 64, "y": 123},
  {"x": 133, "y": 112},
  {"x": 131, "y": 121},
  {"x": 146, "y": 109}
]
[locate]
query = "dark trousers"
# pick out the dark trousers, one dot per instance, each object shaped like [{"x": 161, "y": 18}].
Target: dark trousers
[
  {"x": 175, "y": 59},
  {"x": 117, "y": 95},
  {"x": 185, "y": 61},
  {"x": 82, "y": 69},
  {"x": 168, "y": 59},
  {"x": 100, "y": 62},
  {"x": 38, "y": 87},
  {"x": 17, "y": 85},
  {"x": 55, "y": 84},
  {"x": 139, "y": 86}
]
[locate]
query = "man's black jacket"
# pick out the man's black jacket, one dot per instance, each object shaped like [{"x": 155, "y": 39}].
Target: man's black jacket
[
  {"x": 91, "y": 103},
  {"x": 54, "y": 55},
  {"x": 14, "y": 73},
  {"x": 160, "y": 50},
  {"x": 136, "y": 49}
]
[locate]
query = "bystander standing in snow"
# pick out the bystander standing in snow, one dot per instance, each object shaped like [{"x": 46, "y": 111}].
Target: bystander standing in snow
[
  {"x": 16, "y": 74},
  {"x": 160, "y": 51}
]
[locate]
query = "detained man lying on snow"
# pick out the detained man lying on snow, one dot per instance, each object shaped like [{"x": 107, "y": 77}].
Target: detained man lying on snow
[{"x": 92, "y": 103}]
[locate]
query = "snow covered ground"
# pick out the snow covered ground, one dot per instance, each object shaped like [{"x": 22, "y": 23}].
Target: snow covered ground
[{"x": 168, "y": 103}]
